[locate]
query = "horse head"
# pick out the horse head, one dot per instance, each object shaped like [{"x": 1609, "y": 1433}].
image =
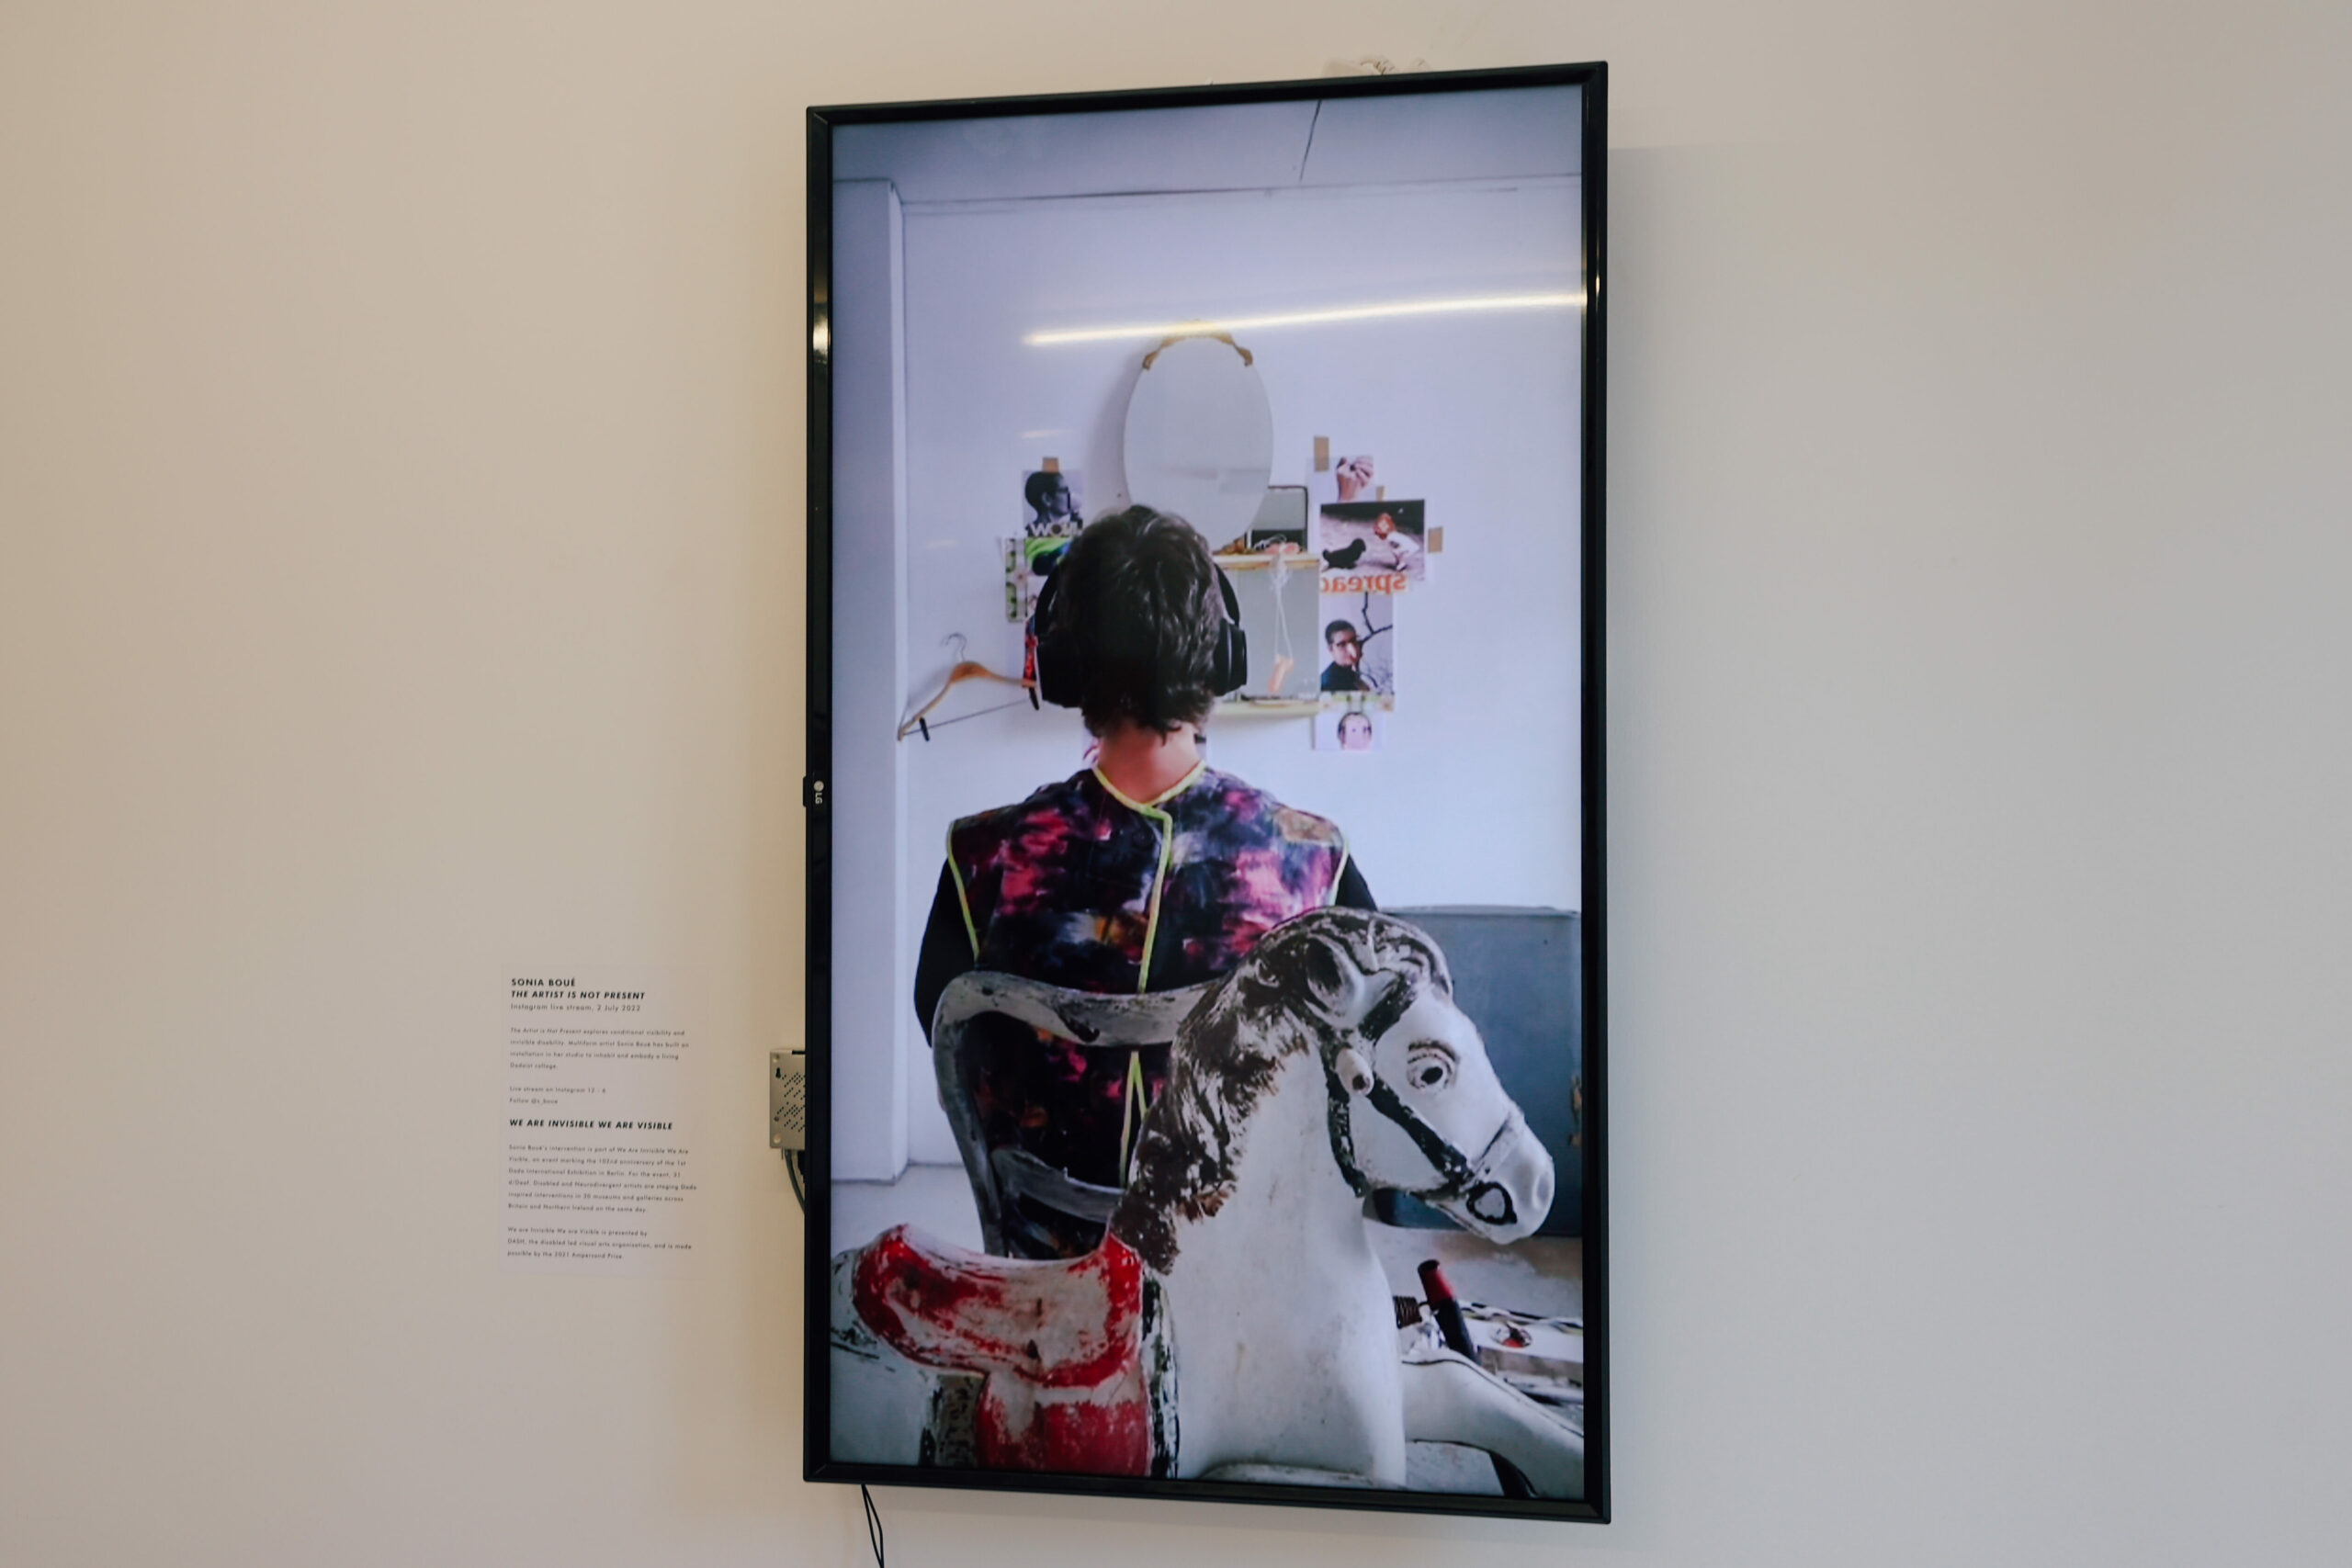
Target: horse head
[{"x": 1414, "y": 1105}]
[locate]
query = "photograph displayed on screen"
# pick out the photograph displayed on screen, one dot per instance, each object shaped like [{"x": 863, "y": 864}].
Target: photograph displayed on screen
[
  {"x": 1052, "y": 503},
  {"x": 1374, "y": 538},
  {"x": 1341, "y": 479},
  {"x": 1207, "y": 1091},
  {"x": 1359, "y": 638},
  {"x": 1355, "y": 730}
]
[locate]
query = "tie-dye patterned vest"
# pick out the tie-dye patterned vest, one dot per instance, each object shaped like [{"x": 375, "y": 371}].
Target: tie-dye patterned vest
[{"x": 1079, "y": 886}]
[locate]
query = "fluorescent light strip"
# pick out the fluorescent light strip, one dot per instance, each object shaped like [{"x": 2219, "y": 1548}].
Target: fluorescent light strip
[{"x": 1314, "y": 318}]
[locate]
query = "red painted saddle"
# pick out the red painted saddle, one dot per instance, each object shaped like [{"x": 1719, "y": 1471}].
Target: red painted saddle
[{"x": 1076, "y": 1371}]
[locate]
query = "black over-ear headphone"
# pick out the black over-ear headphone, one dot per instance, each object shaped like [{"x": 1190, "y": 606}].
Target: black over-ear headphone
[{"x": 1054, "y": 664}]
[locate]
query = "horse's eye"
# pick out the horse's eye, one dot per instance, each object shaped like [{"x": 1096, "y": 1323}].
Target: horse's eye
[{"x": 1429, "y": 1069}]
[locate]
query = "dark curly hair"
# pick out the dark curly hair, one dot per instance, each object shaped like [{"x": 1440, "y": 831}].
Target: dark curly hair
[{"x": 1137, "y": 603}]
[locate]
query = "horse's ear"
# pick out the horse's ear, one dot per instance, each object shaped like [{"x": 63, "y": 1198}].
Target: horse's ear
[
  {"x": 1332, "y": 979},
  {"x": 1322, "y": 965}
]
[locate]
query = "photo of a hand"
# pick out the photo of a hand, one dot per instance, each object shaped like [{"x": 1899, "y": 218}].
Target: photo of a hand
[{"x": 1354, "y": 475}]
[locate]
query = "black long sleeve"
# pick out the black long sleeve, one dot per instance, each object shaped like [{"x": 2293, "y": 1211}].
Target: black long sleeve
[{"x": 946, "y": 948}]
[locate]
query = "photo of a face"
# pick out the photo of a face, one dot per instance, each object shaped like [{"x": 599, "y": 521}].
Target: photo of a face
[
  {"x": 1359, "y": 642},
  {"x": 1351, "y": 729},
  {"x": 1051, "y": 506}
]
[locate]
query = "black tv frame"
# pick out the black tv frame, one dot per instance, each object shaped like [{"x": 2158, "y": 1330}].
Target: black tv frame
[{"x": 816, "y": 799}]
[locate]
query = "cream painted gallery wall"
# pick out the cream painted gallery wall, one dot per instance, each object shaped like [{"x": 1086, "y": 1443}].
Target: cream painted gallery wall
[{"x": 399, "y": 476}]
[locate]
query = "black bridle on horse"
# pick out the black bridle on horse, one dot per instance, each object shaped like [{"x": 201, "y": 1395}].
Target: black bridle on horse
[{"x": 1458, "y": 1176}]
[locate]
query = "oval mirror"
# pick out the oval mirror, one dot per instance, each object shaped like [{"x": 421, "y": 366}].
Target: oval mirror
[{"x": 1201, "y": 437}]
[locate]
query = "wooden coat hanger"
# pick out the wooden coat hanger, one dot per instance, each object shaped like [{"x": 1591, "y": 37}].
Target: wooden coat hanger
[{"x": 963, "y": 671}]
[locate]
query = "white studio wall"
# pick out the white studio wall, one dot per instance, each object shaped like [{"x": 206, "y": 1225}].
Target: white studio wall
[
  {"x": 1481, "y": 651},
  {"x": 401, "y": 478},
  {"x": 874, "y": 962}
]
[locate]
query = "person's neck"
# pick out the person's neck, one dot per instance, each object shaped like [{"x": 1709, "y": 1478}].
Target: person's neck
[{"x": 1144, "y": 764}]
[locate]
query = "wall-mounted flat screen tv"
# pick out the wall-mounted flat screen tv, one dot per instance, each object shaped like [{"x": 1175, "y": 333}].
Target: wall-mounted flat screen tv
[{"x": 1204, "y": 793}]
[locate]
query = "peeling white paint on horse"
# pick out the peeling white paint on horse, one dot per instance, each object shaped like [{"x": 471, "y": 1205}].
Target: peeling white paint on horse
[{"x": 1330, "y": 1063}]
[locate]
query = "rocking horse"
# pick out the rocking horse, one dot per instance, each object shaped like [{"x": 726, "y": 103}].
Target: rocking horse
[{"x": 1235, "y": 1323}]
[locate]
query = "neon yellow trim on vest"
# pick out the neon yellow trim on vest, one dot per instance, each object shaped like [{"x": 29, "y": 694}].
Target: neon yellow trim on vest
[
  {"x": 1170, "y": 793},
  {"x": 963, "y": 900},
  {"x": 1131, "y": 1116},
  {"x": 1166, "y": 851}
]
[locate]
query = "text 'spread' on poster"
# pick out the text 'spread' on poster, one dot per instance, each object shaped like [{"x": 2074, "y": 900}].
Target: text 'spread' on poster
[{"x": 599, "y": 1175}]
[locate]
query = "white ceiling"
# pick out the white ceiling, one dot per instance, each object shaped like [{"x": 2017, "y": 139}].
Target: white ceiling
[{"x": 1513, "y": 132}]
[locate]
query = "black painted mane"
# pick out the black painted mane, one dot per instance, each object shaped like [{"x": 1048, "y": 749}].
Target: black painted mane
[{"x": 1304, "y": 983}]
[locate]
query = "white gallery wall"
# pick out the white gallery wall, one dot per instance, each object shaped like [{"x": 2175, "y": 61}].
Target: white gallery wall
[{"x": 401, "y": 468}]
